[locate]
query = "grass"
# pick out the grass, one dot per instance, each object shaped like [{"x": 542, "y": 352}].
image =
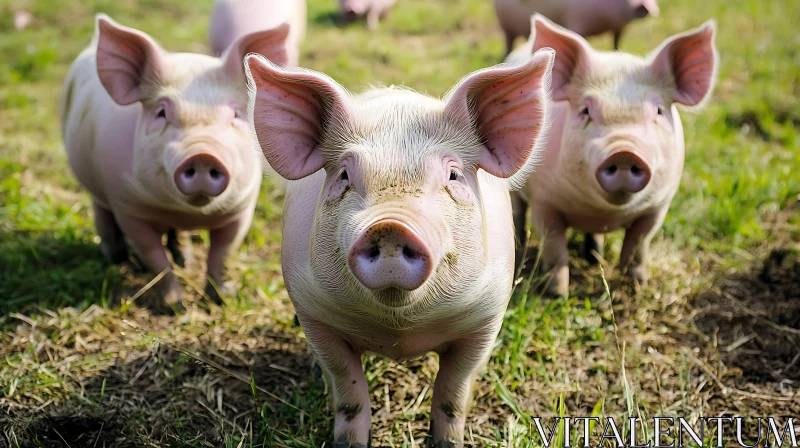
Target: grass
[{"x": 84, "y": 363}]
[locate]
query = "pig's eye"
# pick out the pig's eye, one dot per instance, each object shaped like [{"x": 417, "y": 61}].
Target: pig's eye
[
  {"x": 344, "y": 175},
  {"x": 585, "y": 112},
  {"x": 161, "y": 113},
  {"x": 455, "y": 174},
  {"x": 660, "y": 110}
]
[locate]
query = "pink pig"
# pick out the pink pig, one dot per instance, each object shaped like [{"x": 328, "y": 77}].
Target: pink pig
[
  {"x": 615, "y": 153},
  {"x": 373, "y": 10},
  {"x": 397, "y": 229},
  {"x": 161, "y": 141},
  {"x": 585, "y": 17},
  {"x": 232, "y": 19}
]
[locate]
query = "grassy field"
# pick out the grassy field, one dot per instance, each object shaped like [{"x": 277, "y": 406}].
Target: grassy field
[{"x": 717, "y": 331}]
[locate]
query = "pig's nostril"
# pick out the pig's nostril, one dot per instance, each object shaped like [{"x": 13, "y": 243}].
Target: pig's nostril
[
  {"x": 190, "y": 172},
  {"x": 635, "y": 170},
  {"x": 374, "y": 252},
  {"x": 409, "y": 253},
  {"x": 214, "y": 174},
  {"x": 612, "y": 169}
]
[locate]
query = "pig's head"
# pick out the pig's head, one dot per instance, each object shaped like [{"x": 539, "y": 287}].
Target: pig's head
[
  {"x": 400, "y": 219},
  {"x": 193, "y": 145},
  {"x": 621, "y": 129}
]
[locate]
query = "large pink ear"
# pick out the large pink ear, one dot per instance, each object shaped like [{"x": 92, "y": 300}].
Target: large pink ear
[
  {"x": 289, "y": 109},
  {"x": 126, "y": 58},
  {"x": 572, "y": 52},
  {"x": 508, "y": 105},
  {"x": 691, "y": 59},
  {"x": 270, "y": 43}
]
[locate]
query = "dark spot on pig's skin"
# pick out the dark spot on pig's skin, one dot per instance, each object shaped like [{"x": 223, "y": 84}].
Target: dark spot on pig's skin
[
  {"x": 448, "y": 410},
  {"x": 354, "y": 381},
  {"x": 350, "y": 411}
]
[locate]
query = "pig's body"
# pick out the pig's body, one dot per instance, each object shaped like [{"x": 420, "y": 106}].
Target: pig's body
[
  {"x": 371, "y": 10},
  {"x": 615, "y": 152},
  {"x": 397, "y": 231},
  {"x": 232, "y": 19},
  {"x": 585, "y": 17},
  {"x": 161, "y": 142}
]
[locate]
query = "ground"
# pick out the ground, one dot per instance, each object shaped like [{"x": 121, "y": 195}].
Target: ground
[{"x": 84, "y": 363}]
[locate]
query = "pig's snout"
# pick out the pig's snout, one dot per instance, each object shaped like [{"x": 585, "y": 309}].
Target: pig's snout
[
  {"x": 201, "y": 174},
  {"x": 623, "y": 171},
  {"x": 389, "y": 253}
]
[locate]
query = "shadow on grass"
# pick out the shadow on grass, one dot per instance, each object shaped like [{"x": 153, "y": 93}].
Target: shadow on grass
[
  {"x": 50, "y": 273},
  {"x": 755, "y": 319},
  {"x": 167, "y": 397}
]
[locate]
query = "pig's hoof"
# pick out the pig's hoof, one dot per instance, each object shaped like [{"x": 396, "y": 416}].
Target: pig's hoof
[
  {"x": 446, "y": 444},
  {"x": 638, "y": 274},
  {"x": 216, "y": 292},
  {"x": 172, "y": 301},
  {"x": 558, "y": 285}
]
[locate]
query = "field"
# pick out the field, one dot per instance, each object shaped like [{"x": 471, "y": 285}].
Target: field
[{"x": 84, "y": 363}]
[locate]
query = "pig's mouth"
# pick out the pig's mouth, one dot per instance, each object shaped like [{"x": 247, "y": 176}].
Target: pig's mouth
[
  {"x": 199, "y": 200},
  {"x": 620, "y": 197}
]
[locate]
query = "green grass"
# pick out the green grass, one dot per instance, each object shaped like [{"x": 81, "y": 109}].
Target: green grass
[{"x": 82, "y": 363}]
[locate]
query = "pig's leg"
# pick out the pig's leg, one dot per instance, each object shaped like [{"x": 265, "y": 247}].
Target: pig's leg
[
  {"x": 552, "y": 230},
  {"x": 146, "y": 241},
  {"x": 452, "y": 389},
  {"x": 222, "y": 241},
  {"x": 617, "y": 37},
  {"x": 180, "y": 250},
  {"x": 343, "y": 369},
  {"x": 373, "y": 18},
  {"x": 112, "y": 243},
  {"x": 636, "y": 245},
  {"x": 593, "y": 247}
]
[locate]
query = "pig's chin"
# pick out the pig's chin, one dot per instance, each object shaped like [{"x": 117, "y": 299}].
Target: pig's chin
[
  {"x": 394, "y": 297},
  {"x": 619, "y": 198}
]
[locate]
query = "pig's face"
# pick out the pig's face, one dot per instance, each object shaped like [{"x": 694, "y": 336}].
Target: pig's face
[
  {"x": 620, "y": 132},
  {"x": 193, "y": 145},
  {"x": 400, "y": 217}
]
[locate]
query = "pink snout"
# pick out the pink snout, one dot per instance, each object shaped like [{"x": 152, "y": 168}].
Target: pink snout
[
  {"x": 201, "y": 174},
  {"x": 388, "y": 254},
  {"x": 623, "y": 171}
]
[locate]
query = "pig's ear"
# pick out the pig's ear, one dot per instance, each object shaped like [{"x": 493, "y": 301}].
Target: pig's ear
[
  {"x": 270, "y": 43},
  {"x": 691, "y": 60},
  {"x": 289, "y": 109},
  {"x": 572, "y": 52},
  {"x": 126, "y": 59},
  {"x": 508, "y": 107}
]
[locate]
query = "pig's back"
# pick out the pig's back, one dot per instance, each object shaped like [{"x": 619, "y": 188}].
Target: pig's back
[
  {"x": 232, "y": 19},
  {"x": 515, "y": 15},
  {"x": 89, "y": 119}
]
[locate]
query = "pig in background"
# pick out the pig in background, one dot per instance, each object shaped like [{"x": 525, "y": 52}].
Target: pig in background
[
  {"x": 585, "y": 17},
  {"x": 372, "y": 10},
  {"x": 615, "y": 152},
  {"x": 232, "y": 19},
  {"x": 397, "y": 228},
  {"x": 161, "y": 141}
]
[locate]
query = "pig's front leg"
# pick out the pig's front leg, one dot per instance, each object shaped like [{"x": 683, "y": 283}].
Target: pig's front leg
[
  {"x": 146, "y": 241},
  {"x": 636, "y": 245},
  {"x": 458, "y": 365},
  {"x": 222, "y": 241},
  {"x": 112, "y": 243},
  {"x": 345, "y": 374},
  {"x": 373, "y": 18},
  {"x": 552, "y": 229}
]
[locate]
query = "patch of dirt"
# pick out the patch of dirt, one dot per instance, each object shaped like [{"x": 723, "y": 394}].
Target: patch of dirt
[{"x": 755, "y": 319}]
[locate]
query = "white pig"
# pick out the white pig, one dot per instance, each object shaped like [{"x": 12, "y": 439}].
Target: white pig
[
  {"x": 161, "y": 141},
  {"x": 585, "y": 17},
  {"x": 615, "y": 154},
  {"x": 397, "y": 230},
  {"x": 232, "y": 19}
]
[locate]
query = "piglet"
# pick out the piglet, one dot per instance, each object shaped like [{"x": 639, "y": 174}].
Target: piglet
[
  {"x": 397, "y": 229},
  {"x": 372, "y": 10},
  {"x": 585, "y": 17},
  {"x": 232, "y": 19},
  {"x": 161, "y": 141},
  {"x": 615, "y": 154}
]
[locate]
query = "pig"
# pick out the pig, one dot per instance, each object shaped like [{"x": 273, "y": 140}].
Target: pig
[
  {"x": 161, "y": 141},
  {"x": 585, "y": 17},
  {"x": 397, "y": 229},
  {"x": 615, "y": 152},
  {"x": 372, "y": 10},
  {"x": 232, "y": 19}
]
